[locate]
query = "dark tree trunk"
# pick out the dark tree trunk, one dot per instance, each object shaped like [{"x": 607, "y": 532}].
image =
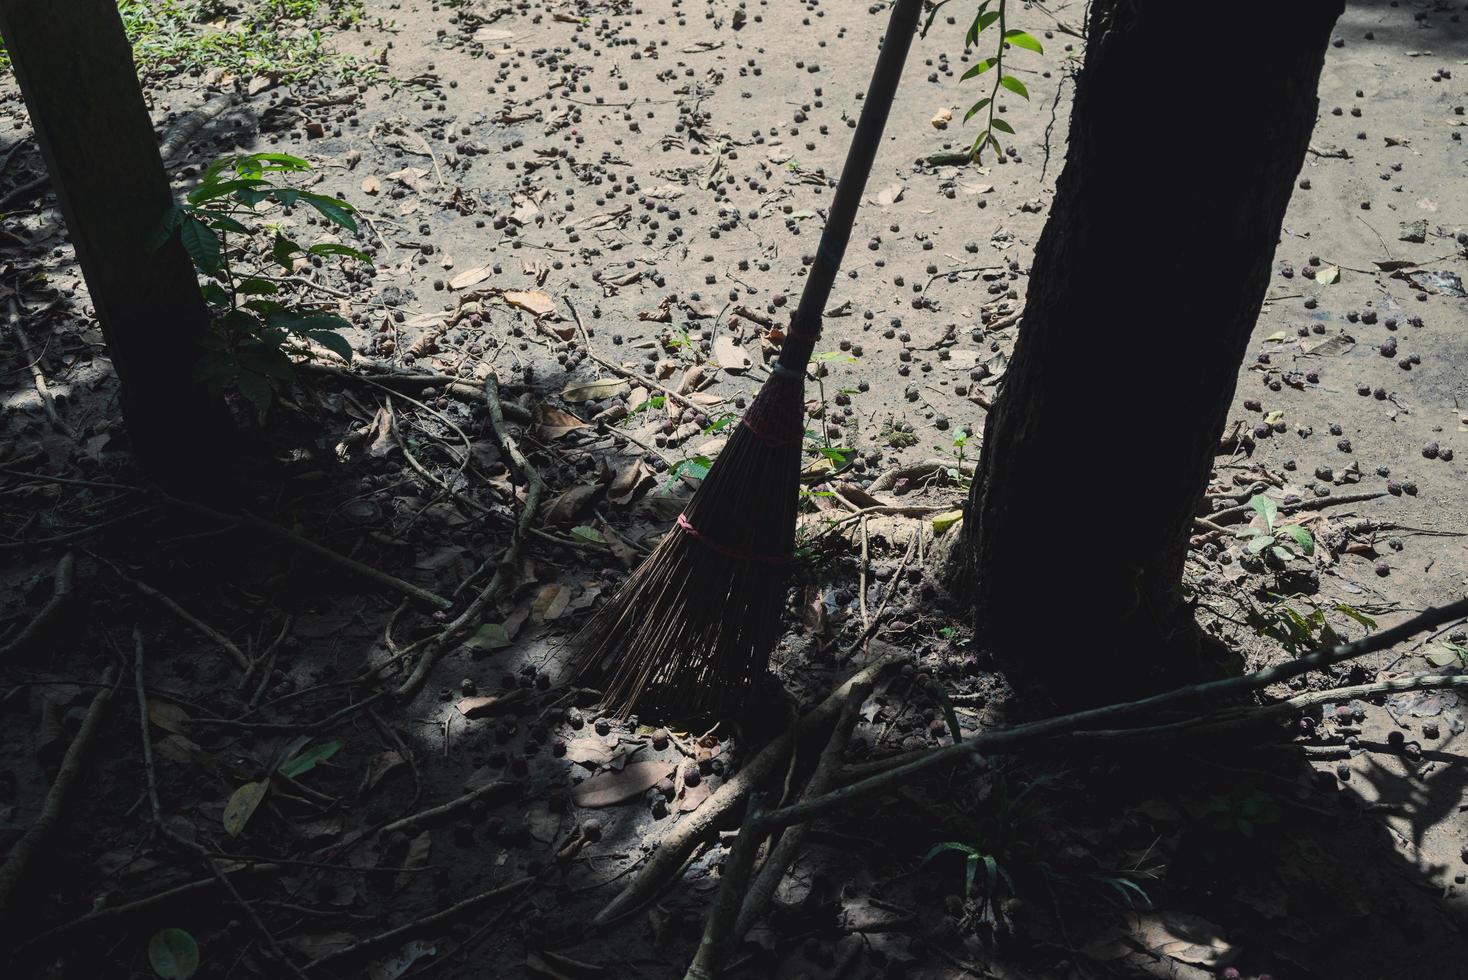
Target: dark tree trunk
[
  {"x": 76, "y": 73},
  {"x": 1190, "y": 124}
]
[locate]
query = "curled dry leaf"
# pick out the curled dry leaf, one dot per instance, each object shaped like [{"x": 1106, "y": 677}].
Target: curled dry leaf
[
  {"x": 592, "y": 391},
  {"x": 471, "y": 277},
  {"x": 371, "y": 186},
  {"x": 565, "y": 508},
  {"x": 1187, "y": 938},
  {"x": 555, "y": 423},
  {"x": 730, "y": 355}
]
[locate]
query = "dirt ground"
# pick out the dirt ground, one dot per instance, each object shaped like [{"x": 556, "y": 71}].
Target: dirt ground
[{"x": 564, "y": 194}]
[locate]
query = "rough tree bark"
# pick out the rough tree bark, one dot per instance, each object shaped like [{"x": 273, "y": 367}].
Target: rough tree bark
[
  {"x": 1189, "y": 127},
  {"x": 76, "y": 72}
]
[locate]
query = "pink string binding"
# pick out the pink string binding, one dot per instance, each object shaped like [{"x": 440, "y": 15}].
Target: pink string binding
[{"x": 686, "y": 526}]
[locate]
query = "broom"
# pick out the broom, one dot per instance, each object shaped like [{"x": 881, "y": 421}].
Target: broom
[{"x": 694, "y": 625}]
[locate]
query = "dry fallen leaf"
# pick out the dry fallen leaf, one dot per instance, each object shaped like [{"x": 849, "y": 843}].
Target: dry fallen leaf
[
  {"x": 532, "y": 301},
  {"x": 590, "y": 752},
  {"x": 566, "y": 507},
  {"x": 611, "y": 788},
  {"x": 730, "y": 355},
  {"x": 1187, "y": 938},
  {"x": 371, "y": 185},
  {"x": 555, "y": 423},
  {"x": 471, "y": 277},
  {"x": 942, "y": 118},
  {"x": 592, "y": 391},
  {"x": 550, "y": 603}
]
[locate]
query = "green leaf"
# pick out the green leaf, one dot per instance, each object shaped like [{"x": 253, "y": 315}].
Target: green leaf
[
  {"x": 282, "y": 251},
  {"x": 244, "y": 801},
  {"x": 1303, "y": 538},
  {"x": 338, "y": 212},
  {"x": 1260, "y": 543},
  {"x": 308, "y": 760},
  {"x": 1022, "y": 39},
  {"x": 166, "y": 227},
  {"x": 1266, "y": 508},
  {"x": 1355, "y": 614},
  {"x": 588, "y": 534},
  {"x": 976, "y": 108},
  {"x": 979, "y": 68},
  {"x": 333, "y": 342},
  {"x": 173, "y": 954},
  {"x": 490, "y": 636},
  {"x": 1443, "y": 654},
  {"x": 256, "y": 387},
  {"x": 214, "y": 293},
  {"x": 201, "y": 243},
  {"x": 332, "y": 248},
  {"x": 940, "y": 694},
  {"x": 1014, "y": 85},
  {"x": 1283, "y": 554},
  {"x": 256, "y": 287},
  {"x": 211, "y": 191},
  {"x": 1002, "y": 126}
]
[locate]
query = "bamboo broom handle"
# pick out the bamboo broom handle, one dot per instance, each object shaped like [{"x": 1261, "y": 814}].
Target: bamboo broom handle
[{"x": 805, "y": 329}]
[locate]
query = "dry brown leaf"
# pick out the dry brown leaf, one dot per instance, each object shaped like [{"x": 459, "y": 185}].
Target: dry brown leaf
[
  {"x": 631, "y": 479},
  {"x": 550, "y": 603},
  {"x": 371, "y": 185},
  {"x": 566, "y": 507},
  {"x": 692, "y": 796},
  {"x": 555, "y": 423},
  {"x": 730, "y": 355},
  {"x": 167, "y": 716},
  {"x": 471, "y": 277},
  {"x": 663, "y": 314},
  {"x": 589, "y": 752},
  {"x": 611, "y": 788},
  {"x": 592, "y": 391},
  {"x": 532, "y": 301},
  {"x": 1187, "y": 938}
]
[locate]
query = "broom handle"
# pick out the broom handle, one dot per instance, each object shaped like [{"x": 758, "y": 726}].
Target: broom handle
[{"x": 805, "y": 329}]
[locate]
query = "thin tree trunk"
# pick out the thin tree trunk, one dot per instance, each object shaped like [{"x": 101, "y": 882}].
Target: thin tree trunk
[
  {"x": 76, "y": 72},
  {"x": 1189, "y": 127}
]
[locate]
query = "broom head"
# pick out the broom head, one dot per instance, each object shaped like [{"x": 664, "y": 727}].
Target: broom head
[{"x": 693, "y": 626}]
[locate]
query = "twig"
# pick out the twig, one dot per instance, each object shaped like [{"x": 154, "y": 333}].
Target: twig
[
  {"x": 454, "y": 630},
  {"x": 265, "y": 663},
  {"x": 495, "y": 788},
  {"x": 93, "y": 921},
  {"x": 393, "y": 936},
  {"x": 1231, "y": 515},
  {"x": 669, "y": 854},
  {"x": 61, "y": 596},
  {"x": 52, "y": 810},
  {"x": 224, "y": 642},
  {"x": 1006, "y": 740},
  {"x": 38, "y": 377},
  {"x": 293, "y": 539},
  {"x": 762, "y": 890}
]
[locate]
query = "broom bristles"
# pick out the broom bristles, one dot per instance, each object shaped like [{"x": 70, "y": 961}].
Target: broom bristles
[{"x": 694, "y": 625}]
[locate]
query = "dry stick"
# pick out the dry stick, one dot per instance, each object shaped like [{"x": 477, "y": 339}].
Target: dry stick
[
  {"x": 224, "y": 642},
  {"x": 38, "y": 377},
  {"x": 61, "y": 596},
  {"x": 916, "y": 471},
  {"x": 1230, "y": 515},
  {"x": 627, "y": 373},
  {"x": 51, "y": 812},
  {"x": 396, "y": 935},
  {"x": 455, "y": 629},
  {"x": 434, "y": 812},
  {"x": 93, "y": 921},
  {"x": 293, "y": 539},
  {"x": 1008, "y": 739},
  {"x": 197, "y": 849},
  {"x": 673, "y": 849},
  {"x": 450, "y": 384},
  {"x": 265, "y": 663},
  {"x": 762, "y": 891},
  {"x": 718, "y": 930}
]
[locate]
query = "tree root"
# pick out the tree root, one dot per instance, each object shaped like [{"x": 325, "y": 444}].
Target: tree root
[{"x": 61, "y": 598}]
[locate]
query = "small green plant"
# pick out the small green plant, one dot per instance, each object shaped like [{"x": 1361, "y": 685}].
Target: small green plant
[
  {"x": 292, "y": 761},
  {"x": 1243, "y": 813},
  {"x": 1004, "y": 37},
  {"x": 255, "y": 329},
  {"x": 1265, "y": 535},
  {"x": 1302, "y": 631}
]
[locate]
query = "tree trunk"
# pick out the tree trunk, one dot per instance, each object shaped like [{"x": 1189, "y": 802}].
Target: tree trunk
[
  {"x": 1189, "y": 126},
  {"x": 76, "y": 72}
]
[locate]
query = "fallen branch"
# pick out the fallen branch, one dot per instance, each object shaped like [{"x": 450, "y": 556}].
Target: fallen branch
[
  {"x": 1007, "y": 740},
  {"x": 495, "y": 788},
  {"x": 61, "y": 596},
  {"x": 917, "y": 471},
  {"x": 72, "y": 765},
  {"x": 38, "y": 376},
  {"x": 719, "y": 927},
  {"x": 670, "y": 852},
  {"x": 222, "y": 641},
  {"x": 394, "y": 936},
  {"x": 275, "y": 531},
  {"x": 1232, "y": 515},
  {"x": 760, "y": 893},
  {"x": 470, "y": 616}
]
